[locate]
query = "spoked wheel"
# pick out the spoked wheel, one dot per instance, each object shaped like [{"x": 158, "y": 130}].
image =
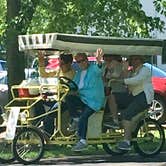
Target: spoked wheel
[
  {"x": 6, "y": 149},
  {"x": 28, "y": 145},
  {"x": 149, "y": 138},
  {"x": 111, "y": 148}
]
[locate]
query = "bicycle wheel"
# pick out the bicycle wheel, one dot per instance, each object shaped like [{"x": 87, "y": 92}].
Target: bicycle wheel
[
  {"x": 149, "y": 138},
  {"x": 28, "y": 145},
  {"x": 111, "y": 148},
  {"x": 6, "y": 149}
]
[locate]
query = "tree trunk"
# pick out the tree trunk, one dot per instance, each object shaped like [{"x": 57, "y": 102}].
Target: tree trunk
[{"x": 15, "y": 62}]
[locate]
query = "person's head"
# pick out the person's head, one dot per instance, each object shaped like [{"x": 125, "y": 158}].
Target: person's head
[
  {"x": 136, "y": 60},
  {"x": 107, "y": 58},
  {"x": 82, "y": 60},
  {"x": 65, "y": 59},
  {"x": 117, "y": 58}
]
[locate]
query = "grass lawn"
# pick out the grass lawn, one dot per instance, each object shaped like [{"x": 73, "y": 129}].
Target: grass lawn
[{"x": 62, "y": 151}]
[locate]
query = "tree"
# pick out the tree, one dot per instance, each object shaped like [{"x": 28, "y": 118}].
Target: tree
[
  {"x": 160, "y": 6},
  {"x": 110, "y": 18},
  {"x": 2, "y": 26},
  {"x": 17, "y": 23}
]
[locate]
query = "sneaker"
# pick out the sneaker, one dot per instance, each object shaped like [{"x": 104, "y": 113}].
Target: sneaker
[
  {"x": 112, "y": 124},
  {"x": 124, "y": 146},
  {"x": 73, "y": 126},
  {"x": 79, "y": 146}
]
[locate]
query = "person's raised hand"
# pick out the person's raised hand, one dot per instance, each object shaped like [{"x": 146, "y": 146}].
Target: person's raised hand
[
  {"x": 99, "y": 55},
  {"x": 41, "y": 53}
]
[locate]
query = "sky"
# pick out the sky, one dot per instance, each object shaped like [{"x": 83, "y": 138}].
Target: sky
[{"x": 150, "y": 10}]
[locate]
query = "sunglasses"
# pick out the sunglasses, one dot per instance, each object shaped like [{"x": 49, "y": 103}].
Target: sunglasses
[{"x": 81, "y": 61}]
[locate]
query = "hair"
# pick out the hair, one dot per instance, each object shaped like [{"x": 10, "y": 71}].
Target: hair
[
  {"x": 67, "y": 58},
  {"x": 141, "y": 57},
  {"x": 113, "y": 57},
  {"x": 107, "y": 55},
  {"x": 82, "y": 54}
]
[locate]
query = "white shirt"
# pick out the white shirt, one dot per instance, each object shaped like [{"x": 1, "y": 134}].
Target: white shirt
[
  {"x": 81, "y": 83},
  {"x": 141, "y": 82}
]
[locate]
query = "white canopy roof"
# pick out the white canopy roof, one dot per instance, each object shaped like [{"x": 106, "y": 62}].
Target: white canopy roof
[{"x": 83, "y": 43}]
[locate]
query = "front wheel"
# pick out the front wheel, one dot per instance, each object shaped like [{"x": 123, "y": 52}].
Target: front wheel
[
  {"x": 6, "y": 149},
  {"x": 149, "y": 138},
  {"x": 28, "y": 145}
]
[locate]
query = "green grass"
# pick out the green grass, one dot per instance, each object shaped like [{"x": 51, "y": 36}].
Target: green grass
[
  {"x": 52, "y": 151},
  {"x": 62, "y": 151}
]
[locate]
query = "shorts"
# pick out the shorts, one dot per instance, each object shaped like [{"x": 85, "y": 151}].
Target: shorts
[
  {"x": 123, "y": 99},
  {"x": 138, "y": 104}
]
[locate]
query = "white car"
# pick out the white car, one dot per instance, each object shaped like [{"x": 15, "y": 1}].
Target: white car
[{"x": 3, "y": 82}]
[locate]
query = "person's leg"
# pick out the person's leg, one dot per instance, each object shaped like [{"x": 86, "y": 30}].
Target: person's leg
[
  {"x": 138, "y": 105},
  {"x": 116, "y": 100},
  {"x": 38, "y": 110},
  {"x": 127, "y": 130},
  {"x": 49, "y": 124},
  {"x": 113, "y": 120},
  {"x": 74, "y": 106},
  {"x": 83, "y": 122},
  {"x": 126, "y": 122},
  {"x": 82, "y": 129},
  {"x": 73, "y": 102},
  {"x": 123, "y": 99},
  {"x": 113, "y": 106},
  {"x": 50, "y": 118}
]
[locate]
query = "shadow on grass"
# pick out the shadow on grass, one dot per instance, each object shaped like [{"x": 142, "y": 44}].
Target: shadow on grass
[{"x": 64, "y": 155}]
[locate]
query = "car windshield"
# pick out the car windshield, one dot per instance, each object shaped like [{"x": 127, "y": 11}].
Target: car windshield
[{"x": 156, "y": 72}]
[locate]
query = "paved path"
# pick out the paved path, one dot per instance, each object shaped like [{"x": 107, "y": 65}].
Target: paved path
[{"x": 104, "y": 160}]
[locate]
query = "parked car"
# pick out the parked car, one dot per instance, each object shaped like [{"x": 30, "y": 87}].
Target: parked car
[
  {"x": 158, "y": 108},
  {"x": 3, "y": 65},
  {"x": 4, "y": 84}
]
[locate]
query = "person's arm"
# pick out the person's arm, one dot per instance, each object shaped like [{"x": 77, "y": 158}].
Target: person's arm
[
  {"x": 142, "y": 75},
  {"x": 99, "y": 56},
  {"x": 125, "y": 69}
]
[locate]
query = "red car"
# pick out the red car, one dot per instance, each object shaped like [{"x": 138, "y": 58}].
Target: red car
[{"x": 158, "y": 108}]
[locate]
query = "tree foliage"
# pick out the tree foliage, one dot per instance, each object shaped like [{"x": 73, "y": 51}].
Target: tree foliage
[
  {"x": 160, "y": 6},
  {"x": 2, "y": 21},
  {"x": 109, "y": 18},
  {"x": 96, "y": 17}
]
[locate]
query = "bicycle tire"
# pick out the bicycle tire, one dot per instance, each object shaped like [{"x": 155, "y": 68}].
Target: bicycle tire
[
  {"x": 25, "y": 140},
  {"x": 149, "y": 138}
]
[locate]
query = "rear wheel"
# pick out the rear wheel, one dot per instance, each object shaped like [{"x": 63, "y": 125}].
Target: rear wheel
[
  {"x": 149, "y": 138},
  {"x": 28, "y": 145}
]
